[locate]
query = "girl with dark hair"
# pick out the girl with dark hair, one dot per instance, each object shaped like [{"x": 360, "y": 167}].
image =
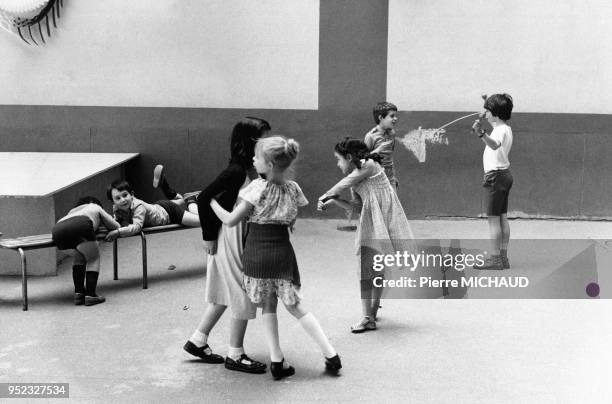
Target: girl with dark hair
[
  {"x": 77, "y": 232},
  {"x": 383, "y": 226},
  {"x": 224, "y": 246},
  {"x": 270, "y": 270}
]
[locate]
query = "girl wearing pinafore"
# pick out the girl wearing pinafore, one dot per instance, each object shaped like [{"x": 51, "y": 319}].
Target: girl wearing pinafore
[
  {"x": 383, "y": 226},
  {"x": 269, "y": 263}
]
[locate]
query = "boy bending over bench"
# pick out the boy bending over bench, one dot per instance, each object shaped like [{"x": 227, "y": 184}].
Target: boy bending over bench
[{"x": 77, "y": 231}]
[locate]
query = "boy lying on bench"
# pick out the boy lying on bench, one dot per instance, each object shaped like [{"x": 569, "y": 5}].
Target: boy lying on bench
[{"x": 133, "y": 214}]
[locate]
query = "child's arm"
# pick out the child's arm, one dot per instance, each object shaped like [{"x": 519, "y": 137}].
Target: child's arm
[
  {"x": 484, "y": 136},
  {"x": 355, "y": 204},
  {"x": 138, "y": 217},
  {"x": 358, "y": 175},
  {"x": 235, "y": 216},
  {"x": 109, "y": 222}
]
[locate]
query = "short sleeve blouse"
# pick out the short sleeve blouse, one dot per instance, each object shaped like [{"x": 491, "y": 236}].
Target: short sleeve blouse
[{"x": 273, "y": 203}]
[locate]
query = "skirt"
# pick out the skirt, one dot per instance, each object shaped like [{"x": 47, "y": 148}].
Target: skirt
[
  {"x": 224, "y": 277},
  {"x": 269, "y": 264}
]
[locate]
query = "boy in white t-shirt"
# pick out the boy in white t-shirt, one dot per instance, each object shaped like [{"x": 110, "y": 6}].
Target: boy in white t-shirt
[{"x": 497, "y": 177}]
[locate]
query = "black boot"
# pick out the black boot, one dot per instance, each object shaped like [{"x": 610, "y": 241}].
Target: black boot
[
  {"x": 78, "y": 278},
  {"x": 91, "y": 280}
]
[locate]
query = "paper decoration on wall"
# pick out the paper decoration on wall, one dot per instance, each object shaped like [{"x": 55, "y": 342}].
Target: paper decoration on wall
[{"x": 30, "y": 19}]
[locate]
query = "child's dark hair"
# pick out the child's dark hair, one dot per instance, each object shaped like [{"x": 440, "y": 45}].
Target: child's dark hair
[
  {"x": 88, "y": 199},
  {"x": 119, "y": 185},
  {"x": 244, "y": 136},
  {"x": 382, "y": 109},
  {"x": 500, "y": 106},
  {"x": 357, "y": 149}
]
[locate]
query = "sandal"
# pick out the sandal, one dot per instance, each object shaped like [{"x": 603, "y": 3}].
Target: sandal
[
  {"x": 364, "y": 325},
  {"x": 245, "y": 364}
]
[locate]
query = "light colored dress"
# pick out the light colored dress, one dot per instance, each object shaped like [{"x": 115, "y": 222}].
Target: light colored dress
[
  {"x": 383, "y": 225},
  {"x": 224, "y": 272}
]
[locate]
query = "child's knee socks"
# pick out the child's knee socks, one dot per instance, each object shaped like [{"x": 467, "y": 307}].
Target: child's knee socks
[
  {"x": 313, "y": 328},
  {"x": 91, "y": 280},
  {"x": 78, "y": 278}
]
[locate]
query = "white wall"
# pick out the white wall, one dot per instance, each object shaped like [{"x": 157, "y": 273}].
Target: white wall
[
  {"x": 170, "y": 53},
  {"x": 551, "y": 56}
]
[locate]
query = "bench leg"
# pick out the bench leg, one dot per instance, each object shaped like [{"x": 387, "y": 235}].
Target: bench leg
[
  {"x": 145, "y": 283},
  {"x": 115, "y": 266},
  {"x": 24, "y": 279}
]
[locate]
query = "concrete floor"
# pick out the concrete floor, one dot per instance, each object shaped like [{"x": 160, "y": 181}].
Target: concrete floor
[{"x": 129, "y": 349}]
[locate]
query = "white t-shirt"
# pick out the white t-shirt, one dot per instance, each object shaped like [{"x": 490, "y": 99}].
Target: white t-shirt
[{"x": 498, "y": 159}]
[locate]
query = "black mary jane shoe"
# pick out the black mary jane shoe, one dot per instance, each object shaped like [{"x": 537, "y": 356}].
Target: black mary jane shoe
[
  {"x": 245, "y": 364},
  {"x": 333, "y": 364},
  {"x": 278, "y": 371},
  {"x": 204, "y": 353}
]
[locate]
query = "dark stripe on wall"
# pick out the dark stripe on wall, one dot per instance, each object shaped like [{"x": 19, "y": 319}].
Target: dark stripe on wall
[{"x": 560, "y": 162}]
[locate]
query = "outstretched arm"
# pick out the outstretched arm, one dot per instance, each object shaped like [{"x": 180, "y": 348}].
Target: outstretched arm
[
  {"x": 235, "y": 216},
  {"x": 109, "y": 222}
]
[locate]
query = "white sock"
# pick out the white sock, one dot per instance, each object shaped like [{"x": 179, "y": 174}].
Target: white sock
[
  {"x": 235, "y": 353},
  {"x": 199, "y": 339},
  {"x": 313, "y": 328},
  {"x": 271, "y": 329}
]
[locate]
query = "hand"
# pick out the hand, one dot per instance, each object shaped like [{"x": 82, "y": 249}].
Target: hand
[
  {"x": 323, "y": 202},
  {"x": 476, "y": 127},
  {"x": 210, "y": 247},
  {"x": 112, "y": 235}
]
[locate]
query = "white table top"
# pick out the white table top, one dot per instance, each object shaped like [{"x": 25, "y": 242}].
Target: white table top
[{"x": 44, "y": 174}]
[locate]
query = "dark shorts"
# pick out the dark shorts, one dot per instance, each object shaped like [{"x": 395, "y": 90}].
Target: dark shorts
[
  {"x": 497, "y": 186},
  {"x": 174, "y": 211},
  {"x": 69, "y": 233}
]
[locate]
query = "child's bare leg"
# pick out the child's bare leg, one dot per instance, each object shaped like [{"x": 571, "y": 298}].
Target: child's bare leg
[
  {"x": 495, "y": 234},
  {"x": 270, "y": 321},
  {"x": 212, "y": 314},
  {"x": 311, "y": 325},
  {"x": 237, "y": 331},
  {"x": 190, "y": 220},
  {"x": 197, "y": 345},
  {"x": 366, "y": 297},
  {"x": 367, "y": 322},
  {"x": 375, "y": 302},
  {"x": 505, "y": 231},
  {"x": 90, "y": 251}
]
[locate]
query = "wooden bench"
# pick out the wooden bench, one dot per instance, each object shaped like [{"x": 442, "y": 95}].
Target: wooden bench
[{"x": 23, "y": 244}]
